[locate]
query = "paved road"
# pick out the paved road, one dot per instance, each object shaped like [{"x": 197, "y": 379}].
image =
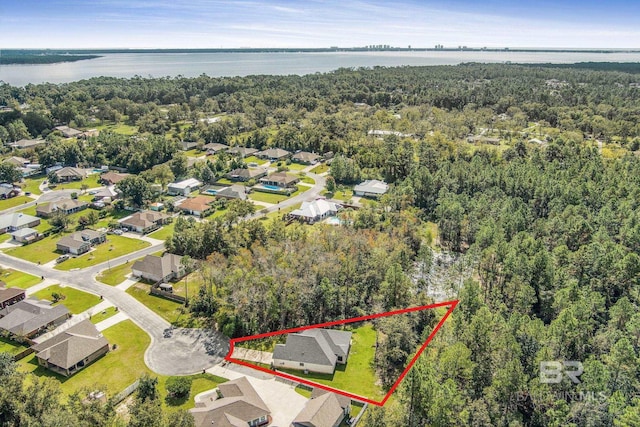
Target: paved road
[{"x": 173, "y": 351}]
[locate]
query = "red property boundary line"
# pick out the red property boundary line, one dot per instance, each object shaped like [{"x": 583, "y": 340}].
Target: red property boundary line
[{"x": 450, "y": 304}]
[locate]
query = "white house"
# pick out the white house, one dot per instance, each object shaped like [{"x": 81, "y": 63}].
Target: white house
[
  {"x": 314, "y": 211},
  {"x": 371, "y": 188},
  {"x": 183, "y": 188}
]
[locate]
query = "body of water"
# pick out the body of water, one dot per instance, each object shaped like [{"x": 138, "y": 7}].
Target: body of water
[{"x": 243, "y": 64}]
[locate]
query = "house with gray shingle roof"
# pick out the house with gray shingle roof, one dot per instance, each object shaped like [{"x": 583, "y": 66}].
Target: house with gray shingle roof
[
  {"x": 273, "y": 154},
  {"x": 245, "y": 174},
  {"x": 16, "y": 221},
  {"x": 155, "y": 269},
  {"x": 75, "y": 348},
  {"x": 80, "y": 242},
  {"x": 238, "y": 405},
  {"x": 10, "y": 296},
  {"x": 235, "y": 191},
  {"x": 69, "y": 173},
  {"x": 31, "y": 317},
  {"x": 66, "y": 206},
  {"x": 324, "y": 410},
  {"x": 371, "y": 188},
  {"x": 315, "y": 350},
  {"x": 305, "y": 157}
]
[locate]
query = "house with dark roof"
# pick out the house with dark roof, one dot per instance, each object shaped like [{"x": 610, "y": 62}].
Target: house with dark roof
[
  {"x": 16, "y": 221},
  {"x": 112, "y": 177},
  {"x": 242, "y": 151},
  {"x": 323, "y": 410},
  {"x": 273, "y": 154},
  {"x": 197, "y": 206},
  {"x": 10, "y": 296},
  {"x": 238, "y": 405},
  {"x": 159, "y": 269},
  {"x": 314, "y": 350},
  {"x": 29, "y": 317},
  {"x": 280, "y": 179},
  {"x": 146, "y": 221},
  {"x": 73, "y": 349},
  {"x": 305, "y": 158},
  {"x": 66, "y": 206},
  {"x": 245, "y": 174},
  {"x": 69, "y": 173},
  {"x": 80, "y": 242},
  {"x": 371, "y": 188},
  {"x": 235, "y": 191},
  {"x": 8, "y": 191}
]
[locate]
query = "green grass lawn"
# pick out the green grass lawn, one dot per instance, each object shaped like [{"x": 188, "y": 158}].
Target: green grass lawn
[
  {"x": 91, "y": 181},
  {"x": 115, "y": 275},
  {"x": 169, "y": 310},
  {"x": 18, "y": 279},
  {"x": 307, "y": 180},
  {"x": 14, "y": 201},
  {"x": 226, "y": 181},
  {"x": 193, "y": 281},
  {"x": 194, "y": 153},
  {"x": 41, "y": 251},
  {"x": 11, "y": 347},
  {"x": 345, "y": 195},
  {"x": 199, "y": 384},
  {"x": 5, "y": 237},
  {"x": 357, "y": 376},
  {"x": 164, "y": 232},
  {"x": 254, "y": 159},
  {"x": 103, "y": 315},
  {"x": 303, "y": 391},
  {"x": 267, "y": 197},
  {"x": 321, "y": 168},
  {"x": 76, "y": 301},
  {"x": 120, "y": 128},
  {"x": 296, "y": 166},
  {"x": 114, "y": 247},
  {"x": 32, "y": 184}
]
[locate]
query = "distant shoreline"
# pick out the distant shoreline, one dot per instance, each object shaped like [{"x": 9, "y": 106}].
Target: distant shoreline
[{"x": 39, "y": 58}]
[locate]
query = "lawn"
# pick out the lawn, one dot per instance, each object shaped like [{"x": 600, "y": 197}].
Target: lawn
[
  {"x": 199, "y": 384},
  {"x": 307, "y": 180},
  {"x": 267, "y": 197},
  {"x": 41, "y": 251},
  {"x": 169, "y": 310},
  {"x": 91, "y": 181},
  {"x": 32, "y": 184},
  {"x": 303, "y": 391},
  {"x": 14, "y": 201},
  {"x": 321, "y": 168},
  {"x": 114, "y": 247},
  {"x": 115, "y": 275},
  {"x": 345, "y": 194},
  {"x": 164, "y": 232},
  {"x": 193, "y": 281},
  {"x": 296, "y": 166},
  {"x": 254, "y": 159},
  {"x": 194, "y": 153},
  {"x": 11, "y": 347},
  {"x": 18, "y": 279},
  {"x": 103, "y": 315},
  {"x": 75, "y": 300},
  {"x": 357, "y": 376},
  {"x": 120, "y": 128}
]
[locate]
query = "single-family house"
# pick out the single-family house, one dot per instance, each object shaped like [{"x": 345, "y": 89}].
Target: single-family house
[
  {"x": 316, "y": 210},
  {"x": 245, "y": 174},
  {"x": 188, "y": 145},
  {"x": 242, "y": 151},
  {"x": 156, "y": 206},
  {"x": 323, "y": 410},
  {"x": 10, "y": 296},
  {"x": 198, "y": 206},
  {"x": 19, "y": 162},
  {"x": 273, "y": 154},
  {"x": 80, "y": 242},
  {"x": 30, "y": 317},
  {"x": 306, "y": 158},
  {"x": 146, "y": 221},
  {"x": 66, "y": 206},
  {"x": 26, "y": 235},
  {"x": 112, "y": 177},
  {"x": 68, "y": 173},
  {"x": 215, "y": 147},
  {"x": 16, "y": 221},
  {"x": 183, "y": 188},
  {"x": 8, "y": 191},
  {"x": 235, "y": 191},
  {"x": 25, "y": 144},
  {"x": 371, "y": 188},
  {"x": 159, "y": 269},
  {"x": 314, "y": 350},
  {"x": 280, "y": 179},
  {"x": 68, "y": 132},
  {"x": 238, "y": 404},
  {"x": 73, "y": 349},
  {"x": 106, "y": 194}
]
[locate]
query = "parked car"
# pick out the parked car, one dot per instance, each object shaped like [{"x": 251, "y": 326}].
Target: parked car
[
  {"x": 62, "y": 258},
  {"x": 117, "y": 232}
]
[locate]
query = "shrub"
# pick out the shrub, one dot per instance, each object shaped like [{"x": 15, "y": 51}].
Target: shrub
[{"x": 178, "y": 386}]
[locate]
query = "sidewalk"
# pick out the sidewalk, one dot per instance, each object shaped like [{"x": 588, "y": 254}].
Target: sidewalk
[
  {"x": 128, "y": 282},
  {"x": 40, "y": 286},
  {"x": 113, "y": 320}
]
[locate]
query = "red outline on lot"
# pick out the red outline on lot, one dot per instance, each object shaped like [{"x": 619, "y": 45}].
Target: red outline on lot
[{"x": 452, "y": 305}]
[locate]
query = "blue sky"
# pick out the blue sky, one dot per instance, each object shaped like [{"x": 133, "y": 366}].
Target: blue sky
[{"x": 317, "y": 23}]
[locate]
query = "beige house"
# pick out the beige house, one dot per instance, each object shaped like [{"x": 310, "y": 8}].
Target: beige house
[
  {"x": 66, "y": 206},
  {"x": 146, "y": 221},
  {"x": 80, "y": 242}
]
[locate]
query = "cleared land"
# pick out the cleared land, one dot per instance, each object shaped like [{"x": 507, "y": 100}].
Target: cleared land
[{"x": 76, "y": 301}]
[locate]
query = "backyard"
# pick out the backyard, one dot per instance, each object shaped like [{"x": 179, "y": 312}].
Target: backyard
[
  {"x": 11, "y": 347},
  {"x": 171, "y": 311},
  {"x": 76, "y": 301}
]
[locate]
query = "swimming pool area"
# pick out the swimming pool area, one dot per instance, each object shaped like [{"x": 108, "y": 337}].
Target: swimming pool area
[
  {"x": 209, "y": 191},
  {"x": 272, "y": 187},
  {"x": 333, "y": 220}
]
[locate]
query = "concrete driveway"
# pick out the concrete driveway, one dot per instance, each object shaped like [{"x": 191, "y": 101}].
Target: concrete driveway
[{"x": 183, "y": 351}]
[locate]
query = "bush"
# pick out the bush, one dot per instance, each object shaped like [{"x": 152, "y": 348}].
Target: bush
[{"x": 178, "y": 386}]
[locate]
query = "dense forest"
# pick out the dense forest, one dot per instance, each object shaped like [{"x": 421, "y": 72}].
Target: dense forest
[{"x": 546, "y": 212}]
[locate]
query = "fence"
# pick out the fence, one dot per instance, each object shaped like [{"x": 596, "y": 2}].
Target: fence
[
  {"x": 22, "y": 354},
  {"x": 126, "y": 392},
  {"x": 167, "y": 295}
]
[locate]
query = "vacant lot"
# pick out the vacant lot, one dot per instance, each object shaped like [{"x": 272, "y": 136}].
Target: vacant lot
[
  {"x": 171, "y": 311},
  {"x": 18, "y": 279},
  {"x": 114, "y": 247},
  {"x": 76, "y": 301}
]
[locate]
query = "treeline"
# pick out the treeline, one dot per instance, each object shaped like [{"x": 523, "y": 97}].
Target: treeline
[{"x": 24, "y": 58}]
